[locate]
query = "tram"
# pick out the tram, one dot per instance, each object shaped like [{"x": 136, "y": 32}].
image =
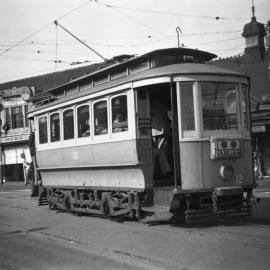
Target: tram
[{"x": 97, "y": 152}]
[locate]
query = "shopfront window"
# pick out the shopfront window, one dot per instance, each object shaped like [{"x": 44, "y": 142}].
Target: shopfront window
[
  {"x": 219, "y": 106},
  {"x": 42, "y": 128}
]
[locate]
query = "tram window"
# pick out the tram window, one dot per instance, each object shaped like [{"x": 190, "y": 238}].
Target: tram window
[
  {"x": 42, "y": 130},
  {"x": 119, "y": 114},
  {"x": 244, "y": 101},
  {"x": 187, "y": 105},
  {"x": 55, "y": 127},
  {"x": 219, "y": 106},
  {"x": 83, "y": 121},
  {"x": 68, "y": 122},
  {"x": 101, "y": 118}
]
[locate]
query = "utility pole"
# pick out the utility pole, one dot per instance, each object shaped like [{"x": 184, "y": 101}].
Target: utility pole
[
  {"x": 57, "y": 24},
  {"x": 1, "y": 147},
  {"x": 268, "y": 45}
]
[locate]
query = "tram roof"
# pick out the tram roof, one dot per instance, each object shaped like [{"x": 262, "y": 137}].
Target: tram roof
[
  {"x": 200, "y": 57},
  {"x": 174, "y": 70}
]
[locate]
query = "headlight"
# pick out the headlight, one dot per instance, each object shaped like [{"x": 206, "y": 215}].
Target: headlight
[{"x": 226, "y": 171}]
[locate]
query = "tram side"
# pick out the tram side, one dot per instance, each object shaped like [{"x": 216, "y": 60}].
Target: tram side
[{"x": 87, "y": 156}]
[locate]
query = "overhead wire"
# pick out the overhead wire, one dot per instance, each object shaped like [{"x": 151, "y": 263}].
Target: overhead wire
[
  {"x": 42, "y": 28},
  {"x": 177, "y": 13},
  {"x": 131, "y": 18}
]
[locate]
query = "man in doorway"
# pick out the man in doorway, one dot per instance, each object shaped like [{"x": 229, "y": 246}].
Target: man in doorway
[{"x": 161, "y": 132}]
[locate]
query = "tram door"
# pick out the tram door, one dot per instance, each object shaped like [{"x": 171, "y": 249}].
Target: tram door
[{"x": 155, "y": 128}]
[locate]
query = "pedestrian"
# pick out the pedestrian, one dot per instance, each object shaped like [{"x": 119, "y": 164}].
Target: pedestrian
[{"x": 26, "y": 169}]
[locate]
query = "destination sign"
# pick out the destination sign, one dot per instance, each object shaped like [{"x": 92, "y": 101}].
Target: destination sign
[
  {"x": 221, "y": 148},
  {"x": 222, "y": 153}
]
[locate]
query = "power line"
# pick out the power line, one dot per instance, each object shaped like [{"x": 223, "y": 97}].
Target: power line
[
  {"x": 31, "y": 59},
  {"x": 131, "y": 18},
  {"x": 41, "y": 29},
  {"x": 175, "y": 13}
]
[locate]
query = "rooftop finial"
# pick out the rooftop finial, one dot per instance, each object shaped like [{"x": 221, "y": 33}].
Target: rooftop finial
[{"x": 253, "y": 11}]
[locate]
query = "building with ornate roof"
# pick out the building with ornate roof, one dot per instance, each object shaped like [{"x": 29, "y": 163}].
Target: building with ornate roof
[{"x": 255, "y": 63}]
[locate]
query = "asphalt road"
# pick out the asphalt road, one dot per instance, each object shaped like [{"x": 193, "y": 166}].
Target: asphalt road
[
  {"x": 25, "y": 250},
  {"x": 35, "y": 237}
]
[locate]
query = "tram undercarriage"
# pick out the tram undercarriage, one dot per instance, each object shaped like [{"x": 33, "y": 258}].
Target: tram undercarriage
[
  {"x": 107, "y": 203},
  {"x": 184, "y": 206}
]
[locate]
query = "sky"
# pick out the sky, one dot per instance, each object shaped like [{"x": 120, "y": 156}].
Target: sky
[{"x": 31, "y": 44}]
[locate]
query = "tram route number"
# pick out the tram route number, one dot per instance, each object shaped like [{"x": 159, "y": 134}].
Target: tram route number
[{"x": 239, "y": 179}]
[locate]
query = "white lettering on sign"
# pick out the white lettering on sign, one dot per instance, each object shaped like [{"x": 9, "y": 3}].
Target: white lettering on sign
[
  {"x": 14, "y": 102},
  {"x": 258, "y": 129},
  {"x": 15, "y": 138},
  {"x": 15, "y": 91},
  {"x": 221, "y": 148}
]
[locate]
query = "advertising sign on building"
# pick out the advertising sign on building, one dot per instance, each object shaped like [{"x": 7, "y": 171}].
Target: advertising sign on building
[{"x": 258, "y": 129}]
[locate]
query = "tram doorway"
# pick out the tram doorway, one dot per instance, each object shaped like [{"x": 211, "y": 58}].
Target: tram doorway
[{"x": 160, "y": 114}]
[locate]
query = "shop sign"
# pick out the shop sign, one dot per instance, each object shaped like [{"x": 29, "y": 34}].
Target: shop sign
[
  {"x": 25, "y": 92},
  {"x": 15, "y": 138},
  {"x": 13, "y": 102},
  {"x": 258, "y": 129}
]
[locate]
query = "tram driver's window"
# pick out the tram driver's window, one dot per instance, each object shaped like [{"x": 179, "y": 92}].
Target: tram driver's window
[
  {"x": 187, "y": 105},
  {"x": 101, "y": 118},
  {"x": 83, "y": 121},
  {"x": 68, "y": 122},
  {"x": 119, "y": 114},
  {"x": 55, "y": 127},
  {"x": 219, "y": 106},
  {"x": 42, "y": 129}
]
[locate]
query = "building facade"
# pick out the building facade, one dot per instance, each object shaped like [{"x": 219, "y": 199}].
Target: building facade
[{"x": 14, "y": 131}]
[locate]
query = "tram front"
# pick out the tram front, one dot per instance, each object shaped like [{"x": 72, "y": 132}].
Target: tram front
[{"x": 215, "y": 144}]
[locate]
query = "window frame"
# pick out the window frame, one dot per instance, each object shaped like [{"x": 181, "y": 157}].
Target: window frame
[
  {"x": 68, "y": 141},
  {"x": 38, "y": 133},
  {"x": 121, "y": 134},
  {"x": 101, "y": 137},
  {"x": 86, "y": 138},
  {"x": 21, "y": 114},
  {"x": 188, "y": 133},
  {"x": 229, "y": 132},
  {"x": 60, "y": 131}
]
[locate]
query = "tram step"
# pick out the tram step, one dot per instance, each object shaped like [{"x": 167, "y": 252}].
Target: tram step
[
  {"x": 163, "y": 195},
  {"x": 42, "y": 201},
  {"x": 156, "y": 213}
]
